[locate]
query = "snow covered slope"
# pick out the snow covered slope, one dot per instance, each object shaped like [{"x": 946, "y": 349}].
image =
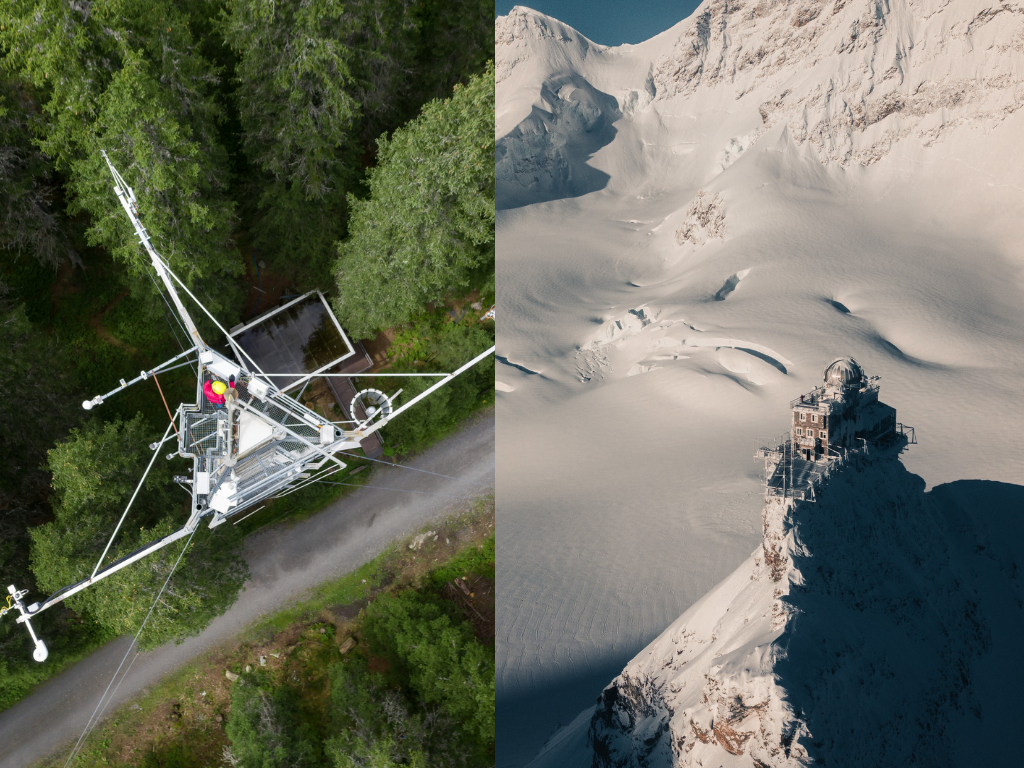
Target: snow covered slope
[
  {"x": 862, "y": 632},
  {"x": 689, "y": 230}
]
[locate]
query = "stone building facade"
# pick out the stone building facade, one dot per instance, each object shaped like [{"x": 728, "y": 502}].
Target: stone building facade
[{"x": 843, "y": 412}]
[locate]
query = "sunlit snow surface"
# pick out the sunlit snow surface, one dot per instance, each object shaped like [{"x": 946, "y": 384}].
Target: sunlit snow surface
[{"x": 689, "y": 230}]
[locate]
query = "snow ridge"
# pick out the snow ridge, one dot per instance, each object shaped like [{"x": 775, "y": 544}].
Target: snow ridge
[
  {"x": 850, "y": 77},
  {"x": 853, "y": 78},
  {"x": 517, "y": 34},
  {"x": 849, "y": 637}
]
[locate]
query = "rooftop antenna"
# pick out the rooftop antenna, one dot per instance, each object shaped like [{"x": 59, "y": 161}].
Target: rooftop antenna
[{"x": 260, "y": 443}]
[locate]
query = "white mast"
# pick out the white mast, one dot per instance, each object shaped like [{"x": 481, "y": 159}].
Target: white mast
[
  {"x": 227, "y": 476},
  {"x": 131, "y": 207}
]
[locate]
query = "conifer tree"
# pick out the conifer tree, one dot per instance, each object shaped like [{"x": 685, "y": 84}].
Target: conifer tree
[
  {"x": 265, "y": 727},
  {"x": 39, "y": 402},
  {"x": 428, "y": 224},
  {"x": 127, "y": 76},
  {"x": 444, "y": 663},
  {"x": 28, "y": 224},
  {"x": 312, "y": 78}
]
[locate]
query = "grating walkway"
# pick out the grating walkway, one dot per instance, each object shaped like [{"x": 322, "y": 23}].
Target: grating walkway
[
  {"x": 211, "y": 436},
  {"x": 792, "y": 476}
]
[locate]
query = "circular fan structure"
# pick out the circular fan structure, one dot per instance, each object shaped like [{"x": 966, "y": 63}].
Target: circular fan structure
[
  {"x": 374, "y": 403},
  {"x": 845, "y": 373}
]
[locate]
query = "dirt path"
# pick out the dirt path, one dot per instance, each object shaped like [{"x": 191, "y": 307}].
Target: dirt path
[
  {"x": 96, "y": 321},
  {"x": 285, "y": 562}
]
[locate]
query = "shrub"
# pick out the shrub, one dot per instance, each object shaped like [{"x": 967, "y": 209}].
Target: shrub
[{"x": 437, "y": 656}]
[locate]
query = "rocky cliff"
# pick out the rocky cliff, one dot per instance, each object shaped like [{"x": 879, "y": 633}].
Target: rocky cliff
[{"x": 851, "y": 637}]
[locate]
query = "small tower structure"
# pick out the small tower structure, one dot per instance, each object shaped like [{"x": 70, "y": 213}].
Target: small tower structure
[
  {"x": 258, "y": 441},
  {"x": 842, "y": 413}
]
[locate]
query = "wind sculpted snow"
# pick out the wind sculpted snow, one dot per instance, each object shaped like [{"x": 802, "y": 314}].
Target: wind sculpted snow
[{"x": 786, "y": 184}]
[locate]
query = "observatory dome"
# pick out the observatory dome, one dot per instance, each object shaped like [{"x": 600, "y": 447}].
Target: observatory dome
[{"x": 845, "y": 373}]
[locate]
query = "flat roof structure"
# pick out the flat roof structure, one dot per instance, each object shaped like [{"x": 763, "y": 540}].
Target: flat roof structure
[
  {"x": 302, "y": 335},
  {"x": 305, "y": 336}
]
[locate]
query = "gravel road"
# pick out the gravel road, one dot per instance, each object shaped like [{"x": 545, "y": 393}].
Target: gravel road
[{"x": 285, "y": 562}]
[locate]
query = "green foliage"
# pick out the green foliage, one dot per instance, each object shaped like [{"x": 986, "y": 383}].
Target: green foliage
[
  {"x": 293, "y": 233},
  {"x": 456, "y": 41},
  {"x": 310, "y": 76},
  {"x": 373, "y": 723},
  {"x": 38, "y": 404},
  {"x": 317, "y": 83},
  {"x": 95, "y": 472},
  {"x": 434, "y": 341},
  {"x": 28, "y": 224},
  {"x": 294, "y": 82},
  {"x": 171, "y": 756},
  {"x": 139, "y": 321},
  {"x": 37, "y": 408},
  {"x": 438, "y": 656},
  {"x": 478, "y": 561},
  {"x": 265, "y": 728},
  {"x": 429, "y": 220},
  {"x": 101, "y": 463},
  {"x": 126, "y": 76},
  {"x": 178, "y": 181}
]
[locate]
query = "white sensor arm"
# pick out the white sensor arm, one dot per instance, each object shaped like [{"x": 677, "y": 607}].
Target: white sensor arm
[
  {"x": 127, "y": 198},
  {"x": 370, "y": 430},
  {"x": 90, "y": 404}
]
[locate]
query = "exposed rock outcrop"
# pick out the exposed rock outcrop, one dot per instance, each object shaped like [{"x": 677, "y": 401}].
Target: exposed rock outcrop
[{"x": 849, "y": 638}]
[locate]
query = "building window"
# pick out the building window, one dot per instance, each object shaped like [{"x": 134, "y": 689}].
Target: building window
[
  {"x": 800, "y": 430},
  {"x": 814, "y": 417},
  {"x": 803, "y": 416},
  {"x": 823, "y": 434}
]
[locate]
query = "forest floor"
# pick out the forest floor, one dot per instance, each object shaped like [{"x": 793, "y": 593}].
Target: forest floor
[{"x": 181, "y": 720}]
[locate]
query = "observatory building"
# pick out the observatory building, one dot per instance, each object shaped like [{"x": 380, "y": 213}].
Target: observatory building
[
  {"x": 839, "y": 421},
  {"x": 843, "y": 412}
]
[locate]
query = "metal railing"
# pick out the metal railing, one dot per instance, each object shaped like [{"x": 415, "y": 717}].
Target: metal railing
[{"x": 785, "y": 475}]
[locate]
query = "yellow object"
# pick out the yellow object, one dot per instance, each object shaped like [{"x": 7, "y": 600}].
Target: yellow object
[{"x": 219, "y": 387}]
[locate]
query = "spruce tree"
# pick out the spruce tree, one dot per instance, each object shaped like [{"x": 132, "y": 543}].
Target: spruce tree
[
  {"x": 127, "y": 76},
  {"x": 29, "y": 225},
  {"x": 265, "y": 727},
  {"x": 312, "y": 79},
  {"x": 442, "y": 660},
  {"x": 428, "y": 224}
]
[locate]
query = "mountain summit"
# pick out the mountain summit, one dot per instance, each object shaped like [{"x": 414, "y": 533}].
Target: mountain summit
[
  {"x": 849, "y": 77},
  {"x": 687, "y": 229}
]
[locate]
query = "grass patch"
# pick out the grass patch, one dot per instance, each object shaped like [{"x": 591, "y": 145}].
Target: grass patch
[
  {"x": 18, "y": 680},
  {"x": 478, "y": 560},
  {"x": 184, "y": 719},
  {"x": 347, "y": 590}
]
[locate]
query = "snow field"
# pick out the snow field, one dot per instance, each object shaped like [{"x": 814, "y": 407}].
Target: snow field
[{"x": 680, "y": 260}]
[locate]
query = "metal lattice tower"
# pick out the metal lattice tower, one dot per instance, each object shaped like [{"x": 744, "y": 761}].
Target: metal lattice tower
[{"x": 260, "y": 443}]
